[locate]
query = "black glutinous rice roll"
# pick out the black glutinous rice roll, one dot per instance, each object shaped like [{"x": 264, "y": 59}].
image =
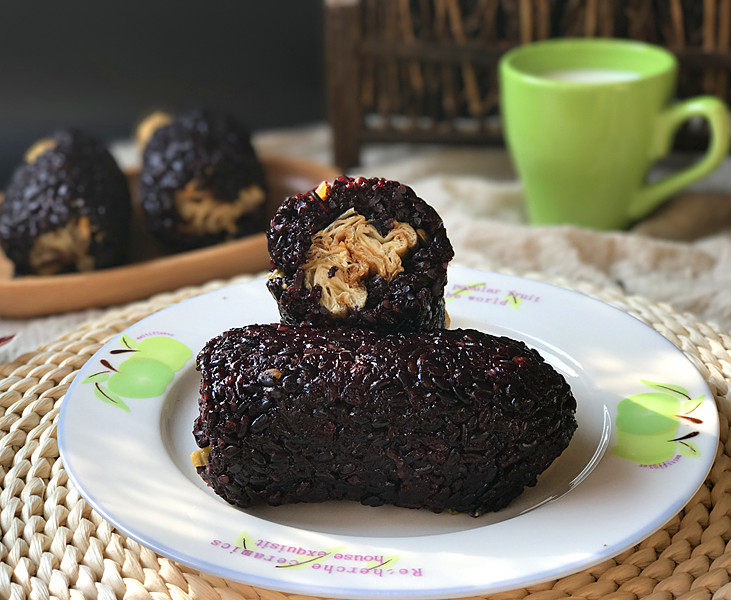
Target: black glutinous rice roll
[
  {"x": 359, "y": 252},
  {"x": 66, "y": 208},
  {"x": 451, "y": 420},
  {"x": 201, "y": 182}
]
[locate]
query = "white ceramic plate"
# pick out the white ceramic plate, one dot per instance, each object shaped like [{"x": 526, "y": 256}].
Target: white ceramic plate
[{"x": 619, "y": 480}]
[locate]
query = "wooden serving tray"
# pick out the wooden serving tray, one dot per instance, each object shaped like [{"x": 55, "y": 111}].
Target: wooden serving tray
[{"x": 153, "y": 269}]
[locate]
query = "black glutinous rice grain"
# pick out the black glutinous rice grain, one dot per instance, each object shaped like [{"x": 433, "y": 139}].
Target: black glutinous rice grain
[
  {"x": 206, "y": 159},
  {"x": 450, "y": 420},
  {"x": 66, "y": 208},
  {"x": 412, "y": 299}
]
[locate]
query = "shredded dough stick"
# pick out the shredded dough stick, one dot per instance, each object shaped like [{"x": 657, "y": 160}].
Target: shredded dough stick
[{"x": 348, "y": 251}]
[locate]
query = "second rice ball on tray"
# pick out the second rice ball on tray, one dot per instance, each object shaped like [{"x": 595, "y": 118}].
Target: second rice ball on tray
[
  {"x": 359, "y": 252},
  {"x": 201, "y": 182}
]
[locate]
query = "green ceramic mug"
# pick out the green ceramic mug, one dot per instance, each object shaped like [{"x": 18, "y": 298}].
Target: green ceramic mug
[{"x": 585, "y": 119}]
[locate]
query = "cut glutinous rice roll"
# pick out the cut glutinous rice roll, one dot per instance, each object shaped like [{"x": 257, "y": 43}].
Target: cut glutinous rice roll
[{"x": 359, "y": 252}]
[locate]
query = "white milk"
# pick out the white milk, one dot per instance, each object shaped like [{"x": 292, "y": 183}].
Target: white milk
[{"x": 591, "y": 75}]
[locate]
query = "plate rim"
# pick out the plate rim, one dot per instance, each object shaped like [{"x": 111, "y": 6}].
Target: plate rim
[{"x": 294, "y": 587}]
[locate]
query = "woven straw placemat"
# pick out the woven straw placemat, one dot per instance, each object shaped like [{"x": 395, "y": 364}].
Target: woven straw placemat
[{"x": 54, "y": 545}]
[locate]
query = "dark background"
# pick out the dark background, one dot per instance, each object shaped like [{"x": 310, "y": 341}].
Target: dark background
[{"x": 104, "y": 65}]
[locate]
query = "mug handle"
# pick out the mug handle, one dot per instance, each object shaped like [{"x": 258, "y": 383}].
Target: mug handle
[{"x": 715, "y": 111}]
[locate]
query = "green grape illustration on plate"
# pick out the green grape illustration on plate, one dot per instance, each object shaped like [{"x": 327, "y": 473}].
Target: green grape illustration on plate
[
  {"x": 647, "y": 424},
  {"x": 147, "y": 370},
  {"x": 140, "y": 378}
]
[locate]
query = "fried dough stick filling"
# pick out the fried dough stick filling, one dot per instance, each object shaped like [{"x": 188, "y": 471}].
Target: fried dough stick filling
[
  {"x": 57, "y": 250},
  {"x": 203, "y": 214},
  {"x": 348, "y": 251}
]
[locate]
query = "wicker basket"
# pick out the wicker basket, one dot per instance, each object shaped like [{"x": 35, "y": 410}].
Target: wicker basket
[{"x": 425, "y": 70}]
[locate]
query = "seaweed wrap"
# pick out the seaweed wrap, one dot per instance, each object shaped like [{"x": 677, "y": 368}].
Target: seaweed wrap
[
  {"x": 66, "y": 208},
  {"x": 450, "y": 420},
  {"x": 201, "y": 182},
  {"x": 359, "y": 252}
]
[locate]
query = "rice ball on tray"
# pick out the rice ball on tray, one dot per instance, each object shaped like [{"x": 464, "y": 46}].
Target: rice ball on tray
[
  {"x": 359, "y": 252},
  {"x": 67, "y": 208},
  {"x": 201, "y": 182}
]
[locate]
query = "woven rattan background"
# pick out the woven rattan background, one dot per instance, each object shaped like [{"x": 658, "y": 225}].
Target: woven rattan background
[{"x": 54, "y": 546}]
